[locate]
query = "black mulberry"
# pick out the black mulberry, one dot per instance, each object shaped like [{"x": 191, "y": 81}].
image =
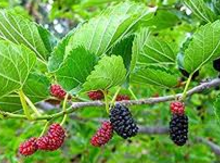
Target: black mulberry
[
  {"x": 216, "y": 64},
  {"x": 123, "y": 122},
  {"x": 179, "y": 129}
]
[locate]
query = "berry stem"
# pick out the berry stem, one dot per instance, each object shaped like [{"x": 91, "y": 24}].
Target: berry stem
[
  {"x": 44, "y": 129},
  {"x": 115, "y": 96},
  {"x": 64, "y": 109},
  {"x": 105, "y": 92},
  {"x": 132, "y": 93},
  {"x": 11, "y": 115},
  {"x": 174, "y": 94},
  {"x": 186, "y": 87},
  {"x": 32, "y": 106},
  {"x": 24, "y": 105}
]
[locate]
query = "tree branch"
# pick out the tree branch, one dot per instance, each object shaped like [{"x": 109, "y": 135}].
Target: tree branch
[
  {"x": 77, "y": 105},
  {"x": 159, "y": 130},
  {"x": 214, "y": 147}
]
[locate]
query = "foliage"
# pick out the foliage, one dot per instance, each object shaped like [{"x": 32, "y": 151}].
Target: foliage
[{"x": 129, "y": 46}]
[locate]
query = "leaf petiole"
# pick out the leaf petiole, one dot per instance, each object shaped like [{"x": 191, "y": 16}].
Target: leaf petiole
[
  {"x": 105, "y": 92},
  {"x": 115, "y": 96},
  {"x": 64, "y": 109},
  {"x": 186, "y": 87},
  {"x": 32, "y": 106},
  {"x": 24, "y": 105}
]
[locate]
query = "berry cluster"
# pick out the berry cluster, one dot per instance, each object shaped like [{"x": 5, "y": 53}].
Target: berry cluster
[
  {"x": 122, "y": 97},
  {"x": 96, "y": 95},
  {"x": 123, "y": 122},
  {"x": 103, "y": 135},
  {"x": 179, "y": 129},
  {"x": 178, "y": 123},
  {"x": 57, "y": 91},
  {"x": 28, "y": 147},
  {"x": 50, "y": 142},
  {"x": 53, "y": 139}
]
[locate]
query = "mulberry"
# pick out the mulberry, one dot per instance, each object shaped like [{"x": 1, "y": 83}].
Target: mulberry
[
  {"x": 96, "y": 95},
  {"x": 179, "y": 129},
  {"x": 28, "y": 147},
  {"x": 123, "y": 122},
  {"x": 103, "y": 135},
  {"x": 177, "y": 107}
]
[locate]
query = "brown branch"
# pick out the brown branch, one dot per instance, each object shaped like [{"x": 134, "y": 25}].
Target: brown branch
[
  {"x": 80, "y": 105},
  {"x": 157, "y": 130}
]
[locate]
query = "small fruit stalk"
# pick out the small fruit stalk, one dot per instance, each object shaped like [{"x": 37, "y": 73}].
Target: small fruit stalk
[
  {"x": 178, "y": 123},
  {"x": 123, "y": 122},
  {"x": 103, "y": 135}
]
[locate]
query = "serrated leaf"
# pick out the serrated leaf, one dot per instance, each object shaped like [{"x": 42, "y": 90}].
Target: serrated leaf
[
  {"x": 205, "y": 46},
  {"x": 201, "y": 10},
  {"x": 109, "y": 72},
  {"x": 100, "y": 33},
  {"x": 75, "y": 69},
  {"x": 57, "y": 56},
  {"x": 16, "y": 62},
  {"x": 217, "y": 108},
  {"x": 21, "y": 31},
  {"x": 124, "y": 49},
  {"x": 154, "y": 76}
]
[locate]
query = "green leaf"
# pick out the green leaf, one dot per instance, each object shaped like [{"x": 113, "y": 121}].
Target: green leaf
[
  {"x": 154, "y": 76},
  {"x": 201, "y": 10},
  {"x": 10, "y": 103},
  {"x": 48, "y": 39},
  {"x": 15, "y": 65},
  {"x": 37, "y": 87},
  {"x": 109, "y": 72},
  {"x": 75, "y": 69},
  {"x": 163, "y": 19},
  {"x": 217, "y": 108},
  {"x": 205, "y": 46},
  {"x": 155, "y": 51},
  {"x": 216, "y": 5},
  {"x": 21, "y": 31},
  {"x": 148, "y": 50},
  {"x": 138, "y": 44},
  {"x": 124, "y": 49},
  {"x": 100, "y": 33},
  {"x": 57, "y": 56}
]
